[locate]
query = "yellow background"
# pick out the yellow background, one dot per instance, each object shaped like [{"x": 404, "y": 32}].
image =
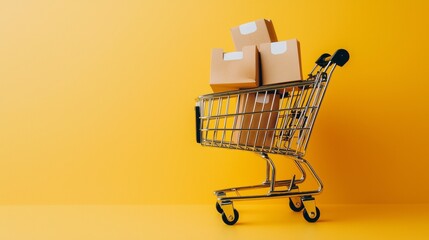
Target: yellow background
[{"x": 97, "y": 97}]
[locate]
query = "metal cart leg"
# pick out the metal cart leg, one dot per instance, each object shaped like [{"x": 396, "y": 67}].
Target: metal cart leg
[
  {"x": 269, "y": 179},
  {"x": 316, "y": 177},
  {"x": 298, "y": 200}
]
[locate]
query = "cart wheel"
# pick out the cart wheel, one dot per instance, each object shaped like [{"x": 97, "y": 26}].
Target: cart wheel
[
  {"x": 218, "y": 208},
  {"x": 313, "y": 217},
  {"x": 228, "y": 221},
  {"x": 296, "y": 207}
]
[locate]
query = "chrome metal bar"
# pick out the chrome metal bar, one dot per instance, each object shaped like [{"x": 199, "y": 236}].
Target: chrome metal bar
[
  {"x": 312, "y": 70},
  {"x": 262, "y": 111},
  {"x": 209, "y": 110},
  {"x": 219, "y": 109},
  {"x": 246, "y": 129},
  {"x": 277, "y": 120},
  {"x": 269, "y": 118},
  {"x": 313, "y": 172},
  {"x": 314, "y": 102},
  {"x": 267, "y": 172},
  {"x": 276, "y": 194},
  {"x": 298, "y": 102},
  {"x": 225, "y": 119},
  {"x": 251, "y": 118},
  {"x": 261, "y": 88},
  {"x": 260, "y": 119},
  {"x": 301, "y": 169},
  {"x": 318, "y": 104},
  {"x": 242, "y": 119},
  {"x": 234, "y": 189},
  {"x": 235, "y": 118},
  {"x": 280, "y": 183},
  {"x": 286, "y": 117},
  {"x": 273, "y": 171}
]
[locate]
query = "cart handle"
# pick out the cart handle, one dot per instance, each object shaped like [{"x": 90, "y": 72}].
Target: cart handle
[
  {"x": 198, "y": 124},
  {"x": 322, "y": 60},
  {"x": 340, "y": 57}
]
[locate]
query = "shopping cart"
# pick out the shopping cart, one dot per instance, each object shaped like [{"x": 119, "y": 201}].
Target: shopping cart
[{"x": 275, "y": 119}]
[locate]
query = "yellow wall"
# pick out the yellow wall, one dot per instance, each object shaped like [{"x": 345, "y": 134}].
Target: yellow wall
[{"x": 96, "y": 99}]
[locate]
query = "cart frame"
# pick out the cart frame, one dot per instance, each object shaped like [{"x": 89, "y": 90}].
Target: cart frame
[{"x": 274, "y": 119}]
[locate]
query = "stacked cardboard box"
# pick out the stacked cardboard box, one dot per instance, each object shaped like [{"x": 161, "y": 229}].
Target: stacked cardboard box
[
  {"x": 253, "y": 33},
  {"x": 263, "y": 121},
  {"x": 234, "y": 70},
  {"x": 259, "y": 59},
  {"x": 280, "y": 62}
]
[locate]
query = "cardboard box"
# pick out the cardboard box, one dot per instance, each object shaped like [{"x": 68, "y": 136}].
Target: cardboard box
[
  {"x": 280, "y": 62},
  {"x": 248, "y": 104},
  {"x": 234, "y": 70},
  {"x": 253, "y": 33}
]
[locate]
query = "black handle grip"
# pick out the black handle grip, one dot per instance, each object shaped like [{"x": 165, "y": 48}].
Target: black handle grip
[
  {"x": 197, "y": 125},
  {"x": 322, "y": 60},
  {"x": 340, "y": 57}
]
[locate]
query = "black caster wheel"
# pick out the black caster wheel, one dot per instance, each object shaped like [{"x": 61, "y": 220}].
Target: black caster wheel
[
  {"x": 312, "y": 217},
  {"x": 218, "y": 208},
  {"x": 228, "y": 221},
  {"x": 296, "y": 207}
]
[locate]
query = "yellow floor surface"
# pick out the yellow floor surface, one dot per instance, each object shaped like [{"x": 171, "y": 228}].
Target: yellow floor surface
[{"x": 257, "y": 221}]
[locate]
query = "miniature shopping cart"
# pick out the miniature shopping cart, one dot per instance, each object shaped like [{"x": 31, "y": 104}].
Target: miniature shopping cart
[{"x": 275, "y": 119}]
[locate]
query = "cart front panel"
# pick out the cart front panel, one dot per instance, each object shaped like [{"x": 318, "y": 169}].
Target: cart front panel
[{"x": 274, "y": 119}]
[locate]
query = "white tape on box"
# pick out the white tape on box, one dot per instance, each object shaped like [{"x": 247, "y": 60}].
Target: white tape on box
[
  {"x": 263, "y": 98},
  {"x": 232, "y": 56},
  {"x": 278, "y": 47},
  {"x": 248, "y": 28}
]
